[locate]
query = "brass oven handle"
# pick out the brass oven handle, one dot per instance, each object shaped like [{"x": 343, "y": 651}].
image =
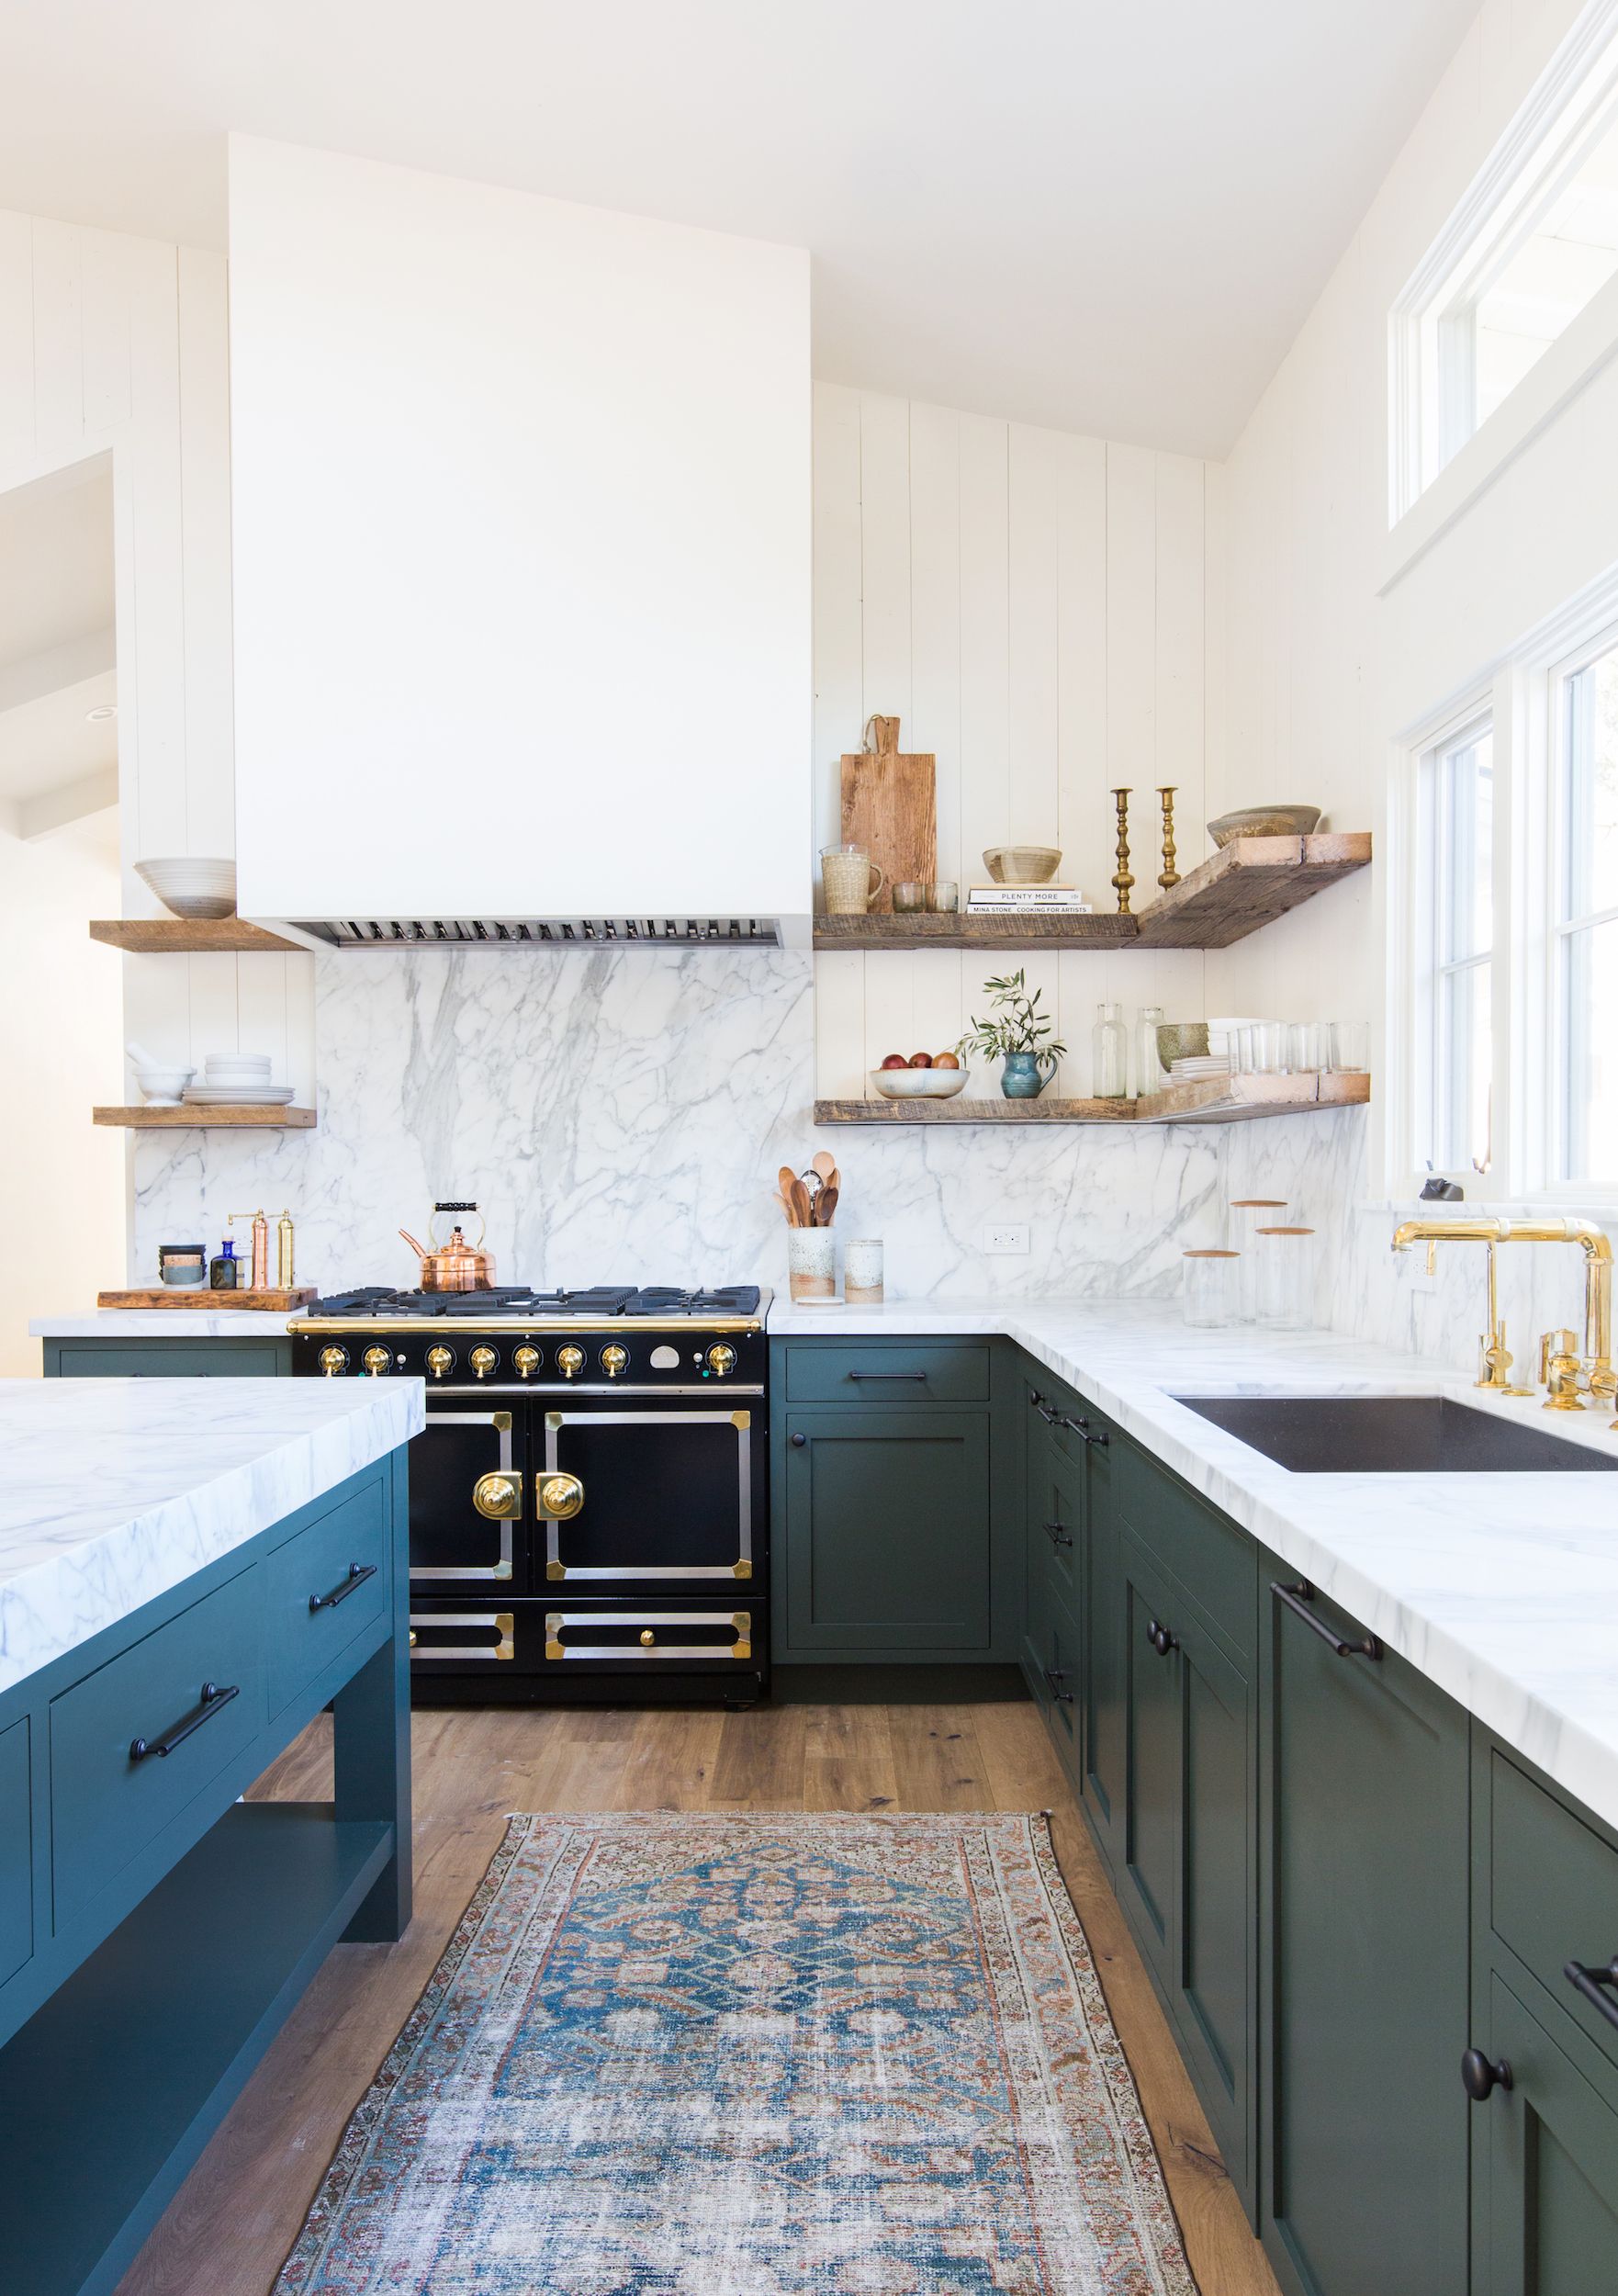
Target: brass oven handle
[
  {"x": 498, "y": 1496},
  {"x": 557, "y": 1496}
]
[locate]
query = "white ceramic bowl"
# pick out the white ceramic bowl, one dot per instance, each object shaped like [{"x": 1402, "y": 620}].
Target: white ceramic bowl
[
  {"x": 224, "y": 1067},
  {"x": 162, "y": 1087},
  {"x": 191, "y": 888},
  {"x": 919, "y": 1083}
]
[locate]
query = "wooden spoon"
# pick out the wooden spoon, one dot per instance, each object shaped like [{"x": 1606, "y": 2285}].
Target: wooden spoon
[
  {"x": 826, "y": 1203},
  {"x": 800, "y": 1207},
  {"x": 825, "y": 1163},
  {"x": 786, "y": 1176}
]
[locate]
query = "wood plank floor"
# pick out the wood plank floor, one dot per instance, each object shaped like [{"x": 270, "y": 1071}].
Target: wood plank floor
[{"x": 238, "y": 2212}]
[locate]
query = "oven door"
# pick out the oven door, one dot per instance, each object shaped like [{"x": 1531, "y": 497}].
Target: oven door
[
  {"x": 468, "y": 1510},
  {"x": 648, "y": 1495}
]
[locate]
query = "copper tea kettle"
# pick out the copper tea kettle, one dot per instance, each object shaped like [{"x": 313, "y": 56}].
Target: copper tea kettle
[{"x": 456, "y": 1266}]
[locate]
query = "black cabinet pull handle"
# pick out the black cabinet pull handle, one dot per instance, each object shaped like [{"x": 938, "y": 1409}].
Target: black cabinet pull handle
[
  {"x": 1044, "y": 1410},
  {"x": 214, "y": 1697},
  {"x": 1081, "y": 1427},
  {"x": 886, "y": 1375},
  {"x": 797, "y": 1441},
  {"x": 1162, "y": 1641},
  {"x": 1057, "y": 1533},
  {"x": 1297, "y": 1600},
  {"x": 1589, "y": 1982},
  {"x": 358, "y": 1573},
  {"x": 1056, "y": 1676},
  {"x": 1479, "y": 2078}
]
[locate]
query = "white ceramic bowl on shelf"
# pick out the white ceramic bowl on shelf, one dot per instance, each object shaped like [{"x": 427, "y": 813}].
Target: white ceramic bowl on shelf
[
  {"x": 192, "y": 888},
  {"x": 224, "y": 1068},
  {"x": 919, "y": 1083},
  {"x": 162, "y": 1087}
]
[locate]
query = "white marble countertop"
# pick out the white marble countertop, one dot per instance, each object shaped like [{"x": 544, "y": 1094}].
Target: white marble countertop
[
  {"x": 113, "y": 1491},
  {"x": 1503, "y": 1589},
  {"x": 199, "y": 1323}
]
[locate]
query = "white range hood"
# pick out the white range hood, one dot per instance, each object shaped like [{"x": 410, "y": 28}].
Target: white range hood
[{"x": 522, "y": 565}]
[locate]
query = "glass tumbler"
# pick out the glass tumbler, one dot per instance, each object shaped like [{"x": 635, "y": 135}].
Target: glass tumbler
[
  {"x": 1309, "y": 1047},
  {"x": 1207, "y": 1288},
  {"x": 1350, "y": 1046},
  {"x": 944, "y": 897},
  {"x": 1267, "y": 1040},
  {"x": 1285, "y": 1258}
]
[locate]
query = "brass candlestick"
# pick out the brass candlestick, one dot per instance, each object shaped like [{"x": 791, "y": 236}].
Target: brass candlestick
[
  {"x": 1171, "y": 875},
  {"x": 1123, "y": 883}
]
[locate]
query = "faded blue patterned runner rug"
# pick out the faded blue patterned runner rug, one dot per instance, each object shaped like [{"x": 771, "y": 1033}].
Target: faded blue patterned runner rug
[{"x": 741, "y": 2054}]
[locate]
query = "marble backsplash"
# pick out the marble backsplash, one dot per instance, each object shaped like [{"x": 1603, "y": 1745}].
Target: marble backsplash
[{"x": 622, "y": 1116}]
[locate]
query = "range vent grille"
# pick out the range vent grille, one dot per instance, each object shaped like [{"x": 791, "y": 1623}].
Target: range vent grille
[{"x": 544, "y": 932}]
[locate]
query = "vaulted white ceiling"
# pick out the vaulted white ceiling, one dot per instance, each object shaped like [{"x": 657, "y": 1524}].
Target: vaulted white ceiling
[{"x": 1106, "y": 215}]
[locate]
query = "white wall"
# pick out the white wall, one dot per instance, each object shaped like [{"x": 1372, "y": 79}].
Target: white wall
[
  {"x": 522, "y": 552},
  {"x": 113, "y": 346},
  {"x": 1331, "y": 660},
  {"x": 60, "y": 1179},
  {"x": 1043, "y": 611}
]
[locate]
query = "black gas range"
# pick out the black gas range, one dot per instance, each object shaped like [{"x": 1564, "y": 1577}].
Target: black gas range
[{"x": 590, "y": 1502}]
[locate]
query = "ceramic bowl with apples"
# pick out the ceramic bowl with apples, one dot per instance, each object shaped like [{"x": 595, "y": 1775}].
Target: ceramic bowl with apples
[{"x": 919, "y": 1076}]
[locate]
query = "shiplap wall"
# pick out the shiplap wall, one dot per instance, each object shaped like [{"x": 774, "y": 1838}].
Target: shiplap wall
[
  {"x": 1043, "y": 611},
  {"x": 115, "y": 346}
]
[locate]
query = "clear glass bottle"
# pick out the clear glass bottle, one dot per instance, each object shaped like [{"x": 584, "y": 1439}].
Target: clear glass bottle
[
  {"x": 1110, "y": 1054},
  {"x": 1150, "y": 1075}
]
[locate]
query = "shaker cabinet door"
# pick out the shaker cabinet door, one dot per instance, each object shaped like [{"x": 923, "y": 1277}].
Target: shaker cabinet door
[{"x": 1547, "y": 2150}]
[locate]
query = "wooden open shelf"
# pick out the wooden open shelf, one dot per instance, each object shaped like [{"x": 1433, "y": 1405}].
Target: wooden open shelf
[
  {"x": 188, "y": 1117},
  {"x": 189, "y": 937},
  {"x": 1204, "y": 1100},
  {"x": 1247, "y": 885}
]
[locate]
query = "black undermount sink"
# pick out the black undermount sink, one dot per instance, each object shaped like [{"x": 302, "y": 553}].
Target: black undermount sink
[{"x": 1392, "y": 1434}]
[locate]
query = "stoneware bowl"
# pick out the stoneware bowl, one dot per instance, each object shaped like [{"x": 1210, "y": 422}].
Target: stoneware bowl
[
  {"x": 1022, "y": 865},
  {"x": 919, "y": 1083},
  {"x": 1264, "y": 821},
  {"x": 162, "y": 1086},
  {"x": 1182, "y": 1040},
  {"x": 190, "y": 887}
]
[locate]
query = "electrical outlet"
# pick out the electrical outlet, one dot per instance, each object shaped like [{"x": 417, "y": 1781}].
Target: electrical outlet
[
  {"x": 1416, "y": 1275},
  {"x": 1005, "y": 1239}
]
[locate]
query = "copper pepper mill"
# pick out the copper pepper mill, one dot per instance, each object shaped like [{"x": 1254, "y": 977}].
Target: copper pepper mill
[{"x": 1123, "y": 883}]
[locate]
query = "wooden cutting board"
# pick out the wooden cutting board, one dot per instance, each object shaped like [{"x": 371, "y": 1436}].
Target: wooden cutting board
[
  {"x": 198, "y": 1298},
  {"x": 890, "y": 806}
]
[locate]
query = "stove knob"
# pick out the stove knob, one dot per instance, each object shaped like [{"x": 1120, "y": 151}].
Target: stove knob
[
  {"x": 614, "y": 1359},
  {"x": 569, "y": 1361},
  {"x": 333, "y": 1361},
  {"x": 722, "y": 1358},
  {"x": 440, "y": 1361},
  {"x": 526, "y": 1360},
  {"x": 376, "y": 1360},
  {"x": 484, "y": 1360}
]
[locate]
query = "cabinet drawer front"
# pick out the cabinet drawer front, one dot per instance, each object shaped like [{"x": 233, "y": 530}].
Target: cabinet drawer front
[
  {"x": 322, "y": 1588},
  {"x": 1054, "y": 1663},
  {"x": 1056, "y": 1524},
  {"x": 106, "y": 1806},
  {"x": 17, "y": 1852},
  {"x": 1214, "y": 1560},
  {"x": 887, "y": 1377},
  {"x": 172, "y": 1359},
  {"x": 1553, "y": 1893}
]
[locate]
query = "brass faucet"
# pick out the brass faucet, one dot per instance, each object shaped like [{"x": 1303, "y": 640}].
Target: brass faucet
[{"x": 1563, "y": 1371}]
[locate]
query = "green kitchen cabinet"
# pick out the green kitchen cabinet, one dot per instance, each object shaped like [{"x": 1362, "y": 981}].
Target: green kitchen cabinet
[
  {"x": 896, "y": 1503},
  {"x": 1546, "y": 2159},
  {"x": 1186, "y": 1874},
  {"x": 1363, "y": 1780},
  {"x": 267, "y": 1357}
]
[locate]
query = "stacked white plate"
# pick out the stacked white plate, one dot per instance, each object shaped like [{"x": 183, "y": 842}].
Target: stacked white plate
[
  {"x": 1201, "y": 1064},
  {"x": 238, "y": 1080}
]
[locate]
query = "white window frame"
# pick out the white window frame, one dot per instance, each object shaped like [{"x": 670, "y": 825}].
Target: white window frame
[
  {"x": 1574, "y": 102},
  {"x": 1525, "y": 696}
]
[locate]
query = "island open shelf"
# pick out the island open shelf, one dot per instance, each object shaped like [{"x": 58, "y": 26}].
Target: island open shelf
[
  {"x": 188, "y": 1117},
  {"x": 1203, "y": 1100},
  {"x": 1246, "y": 884}
]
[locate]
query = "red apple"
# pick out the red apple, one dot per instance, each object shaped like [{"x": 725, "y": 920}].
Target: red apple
[
  {"x": 921, "y": 1060},
  {"x": 945, "y": 1060},
  {"x": 895, "y": 1060}
]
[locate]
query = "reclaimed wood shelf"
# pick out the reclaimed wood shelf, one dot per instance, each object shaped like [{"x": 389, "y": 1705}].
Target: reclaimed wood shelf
[
  {"x": 1200, "y": 1100},
  {"x": 194, "y": 1296},
  {"x": 189, "y": 937},
  {"x": 1248, "y": 883},
  {"x": 226, "y": 1117}
]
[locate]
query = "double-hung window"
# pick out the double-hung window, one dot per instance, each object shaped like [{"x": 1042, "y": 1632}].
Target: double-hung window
[
  {"x": 1456, "y": 1032},
  {"x": 1584, "y": 919}
]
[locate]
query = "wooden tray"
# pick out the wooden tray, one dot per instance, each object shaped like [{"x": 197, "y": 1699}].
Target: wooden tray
[{"x": 199, "y": 1297}]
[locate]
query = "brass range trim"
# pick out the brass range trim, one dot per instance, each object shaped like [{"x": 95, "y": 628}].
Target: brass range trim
[
  {"x": 437, "y": 1325},
  {"x": 740, "y": 1623},
  {"x": 502, "y": 1622},
  {"x": 555, "y": 1568}
]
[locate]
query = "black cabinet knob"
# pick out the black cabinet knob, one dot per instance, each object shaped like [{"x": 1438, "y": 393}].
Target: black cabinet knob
[
  {"x": 1162, "y": 1641},
  {"x": 797, "y": 1441},
  {"x": 1479, "y": 2078}
]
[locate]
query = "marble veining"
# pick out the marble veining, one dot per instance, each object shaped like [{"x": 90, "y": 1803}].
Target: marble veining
[
  {"x": 113, "y": 1323},
  {"x": 1501, "y": 1588},
  {"x": 116, "y": 1490}
]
